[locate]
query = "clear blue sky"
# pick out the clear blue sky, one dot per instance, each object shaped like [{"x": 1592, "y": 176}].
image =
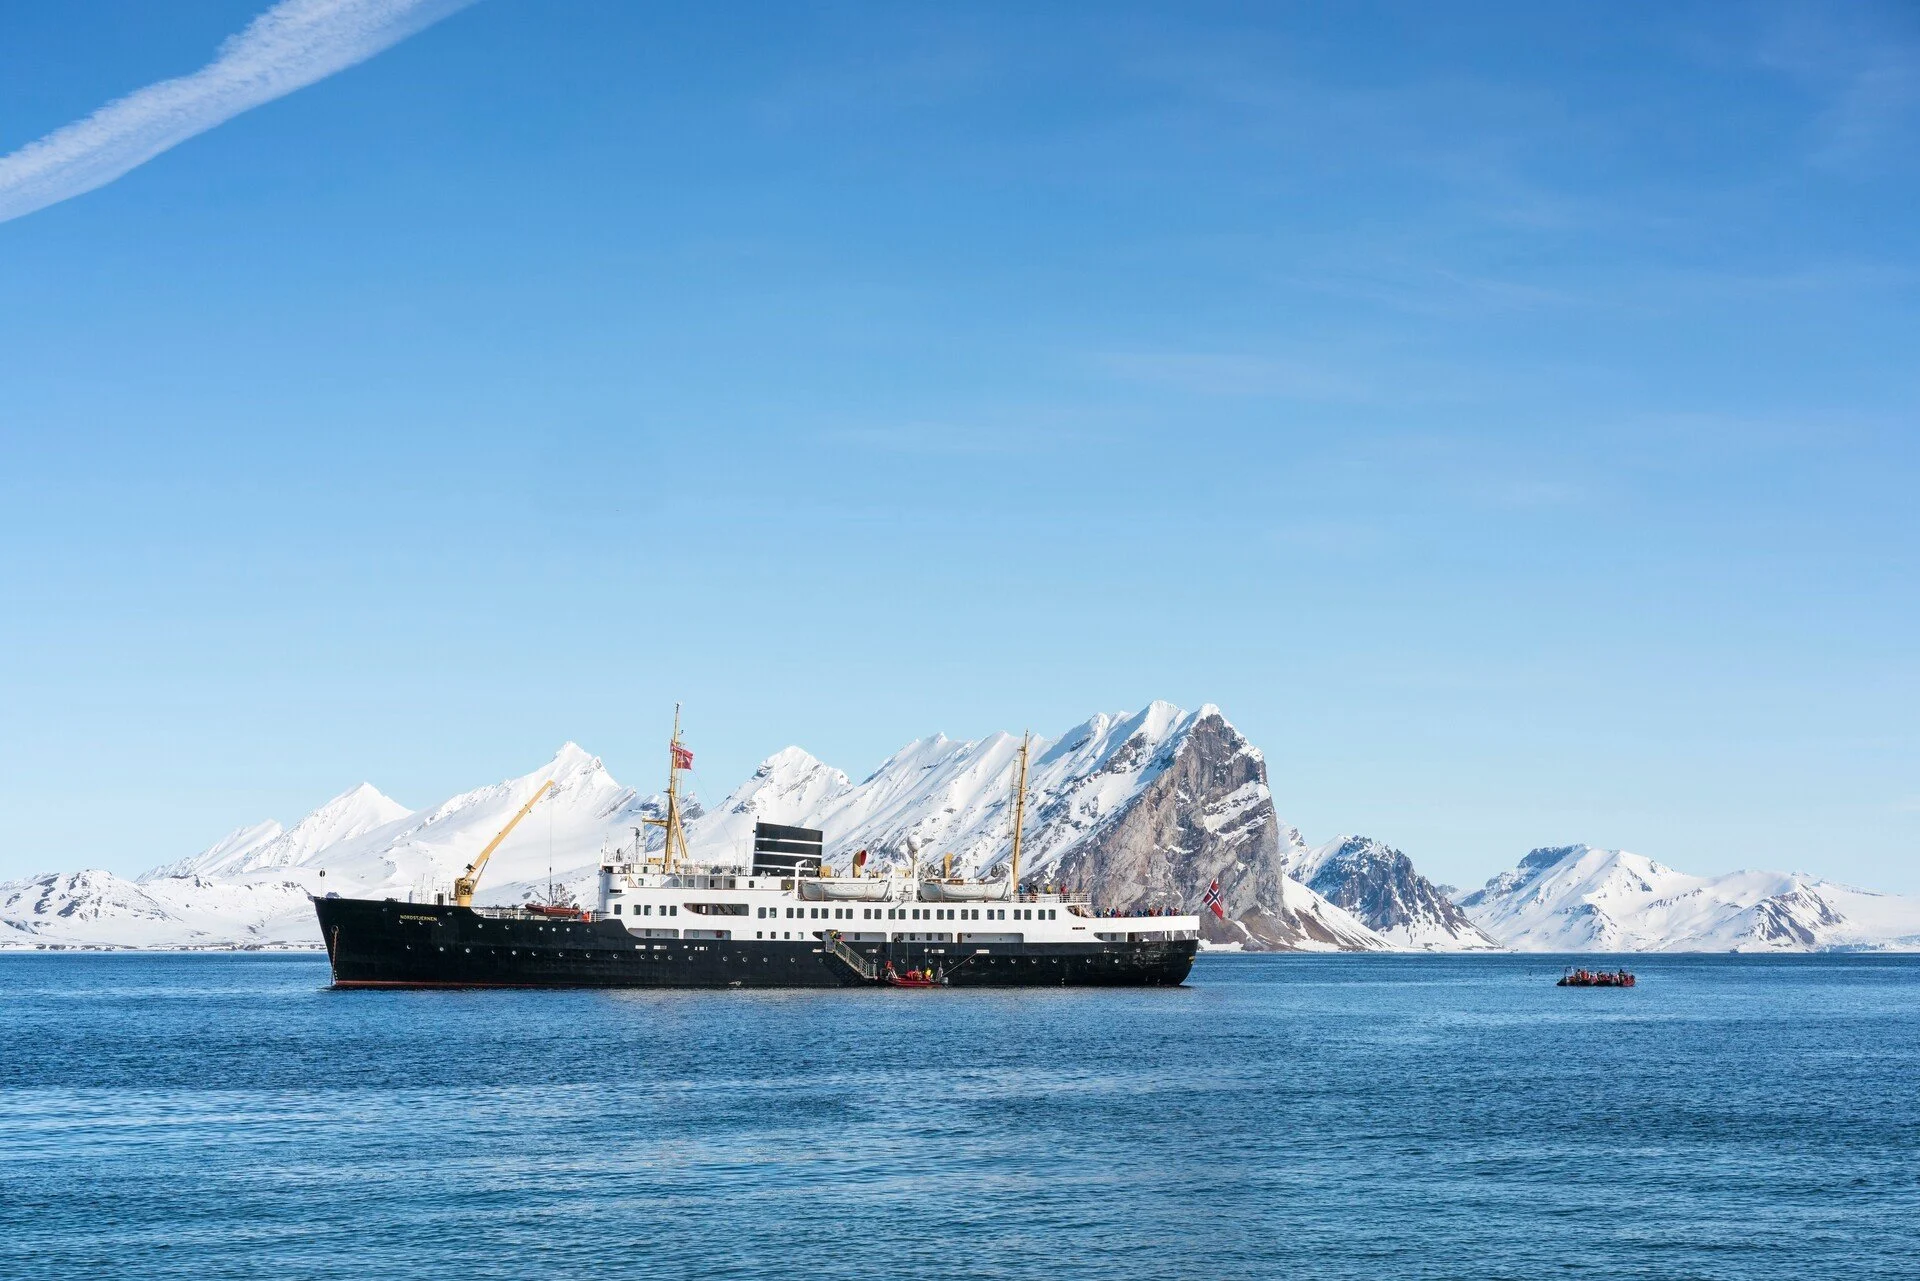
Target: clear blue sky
[{"x": 1506, "y": 413}]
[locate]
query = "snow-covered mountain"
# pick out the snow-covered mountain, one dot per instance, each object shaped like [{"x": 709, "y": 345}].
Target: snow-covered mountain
[
  {"x": 231, "y": 849},
  {"x": 99, "y": 909},
  {"x": 1378, "y": 885},
  {"x": 250, "y": 888},
  {"x": 1141, "y": 809},
  {"x": 264, "y": 845},
  {"x": 1574, "y": 898}
]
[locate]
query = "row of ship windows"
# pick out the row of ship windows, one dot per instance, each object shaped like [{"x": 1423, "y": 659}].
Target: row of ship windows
[
  {"x": 912, "y": 913},
  {"x": 859, "y": 938},
  {"x": 876, "y": 914},
  {"x": 806, "y": 935}
]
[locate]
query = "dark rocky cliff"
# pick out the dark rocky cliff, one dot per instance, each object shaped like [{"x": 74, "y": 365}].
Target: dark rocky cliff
[{"x": 1209, "y": 814}]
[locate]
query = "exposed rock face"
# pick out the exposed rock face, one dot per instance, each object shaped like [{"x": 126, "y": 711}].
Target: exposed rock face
[
  {"x": 1378, "y": 885},
  {"x": 1208, "y": 814}
]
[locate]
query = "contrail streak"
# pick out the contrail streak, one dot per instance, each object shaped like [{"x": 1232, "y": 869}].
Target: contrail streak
[{"x": 288, "y": 47}]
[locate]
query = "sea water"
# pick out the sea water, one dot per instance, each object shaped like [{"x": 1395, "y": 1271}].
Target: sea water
[{"x": 1286, "y": 1116}]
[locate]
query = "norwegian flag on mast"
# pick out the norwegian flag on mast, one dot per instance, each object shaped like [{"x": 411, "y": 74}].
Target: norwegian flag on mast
[
  {"x": 682, "y": 757},
  {"x": 1212, "y": 899}
]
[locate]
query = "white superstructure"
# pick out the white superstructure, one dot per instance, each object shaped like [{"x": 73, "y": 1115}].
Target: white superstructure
[{"x": 737, "y": 903}]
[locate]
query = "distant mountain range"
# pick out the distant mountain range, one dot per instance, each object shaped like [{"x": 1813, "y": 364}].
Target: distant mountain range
[
  {"x": 1146, "y": 809},
  {"x": 1572, "y": 898}
]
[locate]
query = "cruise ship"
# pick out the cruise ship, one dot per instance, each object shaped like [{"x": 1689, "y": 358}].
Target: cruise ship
[{"x": 786, "y": 919}]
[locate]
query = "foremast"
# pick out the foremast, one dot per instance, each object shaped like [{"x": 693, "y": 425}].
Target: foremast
[{"x": 678, "y": 758}]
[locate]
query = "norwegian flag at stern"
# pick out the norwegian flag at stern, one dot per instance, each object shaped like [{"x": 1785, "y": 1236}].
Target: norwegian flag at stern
[
  {"x": 1212, "y": 899},
  {"x": 682, "y": 757}
]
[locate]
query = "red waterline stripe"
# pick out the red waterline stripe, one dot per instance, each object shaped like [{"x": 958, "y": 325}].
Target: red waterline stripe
[{"x": 425, "y": 984}]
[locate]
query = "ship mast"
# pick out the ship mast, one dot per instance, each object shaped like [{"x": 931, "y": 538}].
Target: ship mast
[
  {"x": 676, "y": 834},
  {"x": 1019, "y": 814}
]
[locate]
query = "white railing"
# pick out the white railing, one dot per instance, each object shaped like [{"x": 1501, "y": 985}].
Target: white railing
[{"x": 1115, "y": 914}]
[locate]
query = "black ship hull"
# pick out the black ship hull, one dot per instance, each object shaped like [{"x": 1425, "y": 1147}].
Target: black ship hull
[{"x": 381, "y": 943}]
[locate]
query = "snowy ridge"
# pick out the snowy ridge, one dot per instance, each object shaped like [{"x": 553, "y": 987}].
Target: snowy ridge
[
  {"x": 231, "y": 848},
  {"x": 1379, "y": 885},
  {"x": 1578, "y": 899},
  {"x": 101, "y": 910},
  {"x": 955, "y": 797},
  {"x": 420, "y": 853},
  {"x": 350, "y": 814},
  {"x": 378, "y": 848}
]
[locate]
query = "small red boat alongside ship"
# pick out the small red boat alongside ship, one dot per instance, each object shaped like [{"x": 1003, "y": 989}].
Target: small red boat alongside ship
[
  {"x": 1584, "y": 977},
  {"x": 928, "y": 977}
]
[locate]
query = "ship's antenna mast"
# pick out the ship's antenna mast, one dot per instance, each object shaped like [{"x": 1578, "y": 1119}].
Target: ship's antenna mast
[
  {"x": 675, "y": 835},
  {"x": 1019, "y": 814}
]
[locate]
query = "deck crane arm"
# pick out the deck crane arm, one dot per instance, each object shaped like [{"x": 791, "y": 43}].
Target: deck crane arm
[{"x": 463, "y": 886}]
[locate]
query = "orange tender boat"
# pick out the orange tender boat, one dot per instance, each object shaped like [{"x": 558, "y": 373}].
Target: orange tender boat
[{"x": 912, "y": 978}]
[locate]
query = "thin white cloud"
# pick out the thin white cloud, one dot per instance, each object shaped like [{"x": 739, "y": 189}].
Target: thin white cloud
[{"x": 286, "y": 48}]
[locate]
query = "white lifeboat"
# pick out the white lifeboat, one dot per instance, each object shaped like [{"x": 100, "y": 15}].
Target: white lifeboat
[
  {"x": 955, "y": 890},
  {"x": 844, "y": 889}
]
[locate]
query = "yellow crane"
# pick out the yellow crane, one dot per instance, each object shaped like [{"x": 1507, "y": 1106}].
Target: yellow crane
[
  {"x": 463, "y": 886},
  {"x": 1019, "y": 814}
]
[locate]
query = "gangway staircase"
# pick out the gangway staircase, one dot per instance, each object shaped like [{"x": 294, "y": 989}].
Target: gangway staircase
[{"x": 865, "y": 968}]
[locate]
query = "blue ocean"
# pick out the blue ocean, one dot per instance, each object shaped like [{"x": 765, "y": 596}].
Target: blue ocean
[{"x": 1283, "y": 1116}]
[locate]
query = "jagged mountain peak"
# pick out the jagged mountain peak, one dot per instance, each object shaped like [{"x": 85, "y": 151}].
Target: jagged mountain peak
[
  {"x": 571, "y": 769},
  {"x": 790, "y": 761},
  {"x": 1378, "y": 885},
  {"x": 1548, "y": 855},
  {"x": 360, "y": 799},
  {"x": 1528, "y": 869},
  {"x": 788, "y": 787},
  {"x": 572, "y": 760},
  {"x": 1159, "y": 718}
]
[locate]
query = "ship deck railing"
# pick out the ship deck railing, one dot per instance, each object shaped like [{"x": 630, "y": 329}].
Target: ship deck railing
[
  {"x": 1116, "y": 914},
  {"x": 1068, "y": 897},
  {"x": 500, "y": 912}
]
